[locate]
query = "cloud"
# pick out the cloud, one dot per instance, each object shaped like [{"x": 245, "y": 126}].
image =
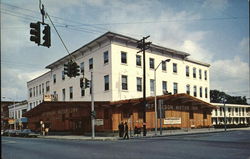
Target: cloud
[
  {"x": 14, "y": 82},
  {"x": 230, "y": 74},
  {"x": 244, "y": 46},
  {"x": 215, "y": 4}
]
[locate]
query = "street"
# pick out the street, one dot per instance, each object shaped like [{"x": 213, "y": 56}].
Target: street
[{"x": 232, "y": 144}]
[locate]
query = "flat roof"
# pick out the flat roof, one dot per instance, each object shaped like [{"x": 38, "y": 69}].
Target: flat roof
[
  {"x": 38, "y": 76},
  {"x": 110, "y": 35}
]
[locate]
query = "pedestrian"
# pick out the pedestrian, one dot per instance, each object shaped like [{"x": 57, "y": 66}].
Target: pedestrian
[
  {"x": 126, "y": 131},
  {"x": 120, "y": 129},
  {"x": 46, "y": 131}
]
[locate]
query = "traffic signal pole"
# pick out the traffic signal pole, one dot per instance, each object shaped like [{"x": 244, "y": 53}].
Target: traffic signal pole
[{"x": 92, "y": 106}]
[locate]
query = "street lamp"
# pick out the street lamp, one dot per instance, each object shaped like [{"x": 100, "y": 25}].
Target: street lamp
[
  {"x": 14, "y": 110},
  {"x": 156, "y": 123}
]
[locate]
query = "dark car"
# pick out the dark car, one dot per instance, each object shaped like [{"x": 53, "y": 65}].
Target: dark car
[
  {"x": 6, "y": 132},
  {"x": 28, "y": 133},
  {"x": 12, "y": 132}
]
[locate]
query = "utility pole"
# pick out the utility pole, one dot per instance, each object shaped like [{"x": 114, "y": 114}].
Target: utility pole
[
  {"x": 92, "y": 106},
  {"x": 144, "y": 46}
]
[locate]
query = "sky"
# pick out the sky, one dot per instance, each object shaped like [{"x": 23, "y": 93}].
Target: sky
[{"x": 212, "y": 31}]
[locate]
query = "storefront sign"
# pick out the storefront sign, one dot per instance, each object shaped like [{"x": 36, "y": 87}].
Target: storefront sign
[
  {"x": 11, "y": 121},
  {"x": 99, "y": 122},
  {"x": 172, "y": 120}
]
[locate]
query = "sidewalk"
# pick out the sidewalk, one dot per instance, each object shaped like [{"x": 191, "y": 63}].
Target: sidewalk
[{"x": 150, "y": 134}]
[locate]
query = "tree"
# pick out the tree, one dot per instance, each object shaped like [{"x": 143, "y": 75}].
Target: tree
[{"x": 218, "y": 96}]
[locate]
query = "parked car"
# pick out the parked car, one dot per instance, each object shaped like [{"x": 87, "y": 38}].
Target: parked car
[
  {"x": 28, "y": 133},
  {"x": 6, "y": 132},
  {"x": 10, "y": 132}
]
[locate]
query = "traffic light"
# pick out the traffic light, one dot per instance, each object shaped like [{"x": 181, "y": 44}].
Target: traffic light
[
  {"x": 93, "y": 114},
  {"x": 68, "y": 69},
  {"x": 87, "y": 83},
  {"x": 35, "y": 32},
  {"x": 75, "y": 69},
  {"x": 46, "y": 36},
  {"x": 81, "y": 82}
]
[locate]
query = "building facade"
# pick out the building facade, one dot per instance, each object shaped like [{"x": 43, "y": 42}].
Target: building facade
[
  {"x": 179, "y": 111},
  {"x": 235, "y": 114},
  {"x": 16, "y": 112},
  {"x": 117, "y": 73},
  {"x": 37, "y": 88}
]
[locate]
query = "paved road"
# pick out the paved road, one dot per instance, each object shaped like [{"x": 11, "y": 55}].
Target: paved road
[{"x": 234, "y": 144}]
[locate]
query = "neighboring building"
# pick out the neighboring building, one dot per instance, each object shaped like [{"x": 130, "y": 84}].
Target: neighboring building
[
  {"x": 117, "y": 72},
  {"x": 235, "y": 114},
  {"x": 179, "y": 111},
  {"x": 16, "y": 112},
  {"x": 5, "y": 113}
]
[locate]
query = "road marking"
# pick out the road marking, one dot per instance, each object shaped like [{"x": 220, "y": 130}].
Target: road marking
[{"x": 9, "y": 142}]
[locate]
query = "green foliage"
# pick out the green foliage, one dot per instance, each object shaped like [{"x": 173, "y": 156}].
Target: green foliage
[{"x": 218, "y": 97}]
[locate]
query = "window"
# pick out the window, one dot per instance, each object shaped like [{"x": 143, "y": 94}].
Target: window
[
  {"x": 63, "y": 94},
  {"x": 205, "y": 92},
  {"x": 123, "y": 57},
  {"x": 91, "y": 63},
  {"x": 63, "y": 76},
  {"x": 70, "y": 92},
  {"x": 139, "y": 83},
  {"x": 30, "y": 91},
  {"x": 187, "y": 71},
  {"x": 124, "y": 82},
  {"x": 200, "y": 91},
  {"x": 152, "y": 85},
  {"x": 164, "y": 66},
  {"x": 175, "y": 67},
  {"x": 82, "y": 92},
  {"x": 82, "y": 67},
  {"x": 36, "y": 90},
  {"x": 195, "y": 91},
  {"x": 54, "y": 78},
  {"x": 164, "y": 86},
  {"x": 194, "y": 72},
  {"x": 106, "y": 82},
  {"x": 188, "y": 89},
  {"x": 175, "y": 88},
  {"x": 138, "y": 60},
  {"x": 205, "y": 74},
  {"x": 151, "y": 63},
  {"x": 204, "y": 115},
  {"x": 191, "y": 114},
  {"x": 200, "y": 76},
  {"x": 106, "y": 57},
  {"x": 40, "y": 90},
  {"x": 47, "y": 86}
]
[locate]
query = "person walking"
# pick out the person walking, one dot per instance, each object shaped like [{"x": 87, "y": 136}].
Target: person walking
[
  {"x": 126, "y": 131},
  {"x": 120, "y": 129}
]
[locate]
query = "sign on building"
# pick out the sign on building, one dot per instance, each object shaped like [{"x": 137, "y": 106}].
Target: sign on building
[
  {"x": 50, "y": 97},
  {"x": 99, "y": 122},
  {"x": 172, "y": 120}
]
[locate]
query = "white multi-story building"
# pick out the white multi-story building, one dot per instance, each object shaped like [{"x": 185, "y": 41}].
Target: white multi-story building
[
  {"x": 235, "y": 114},
  {"x": 37, "y": 88},
  {"x": 118, "y": 72}
]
